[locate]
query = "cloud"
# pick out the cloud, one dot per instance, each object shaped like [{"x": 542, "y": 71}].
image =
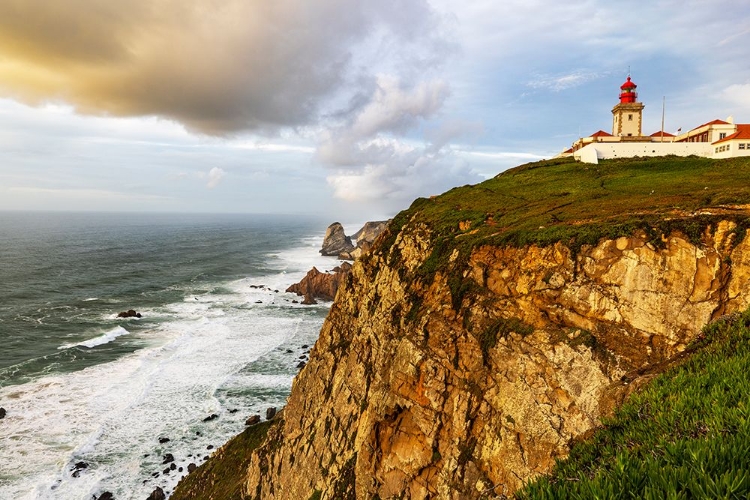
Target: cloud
[
  {"x": 86, "y": 194},
  {"x": 738, "y": 95},
  {"x": 216, "y": 67},
  {"x": 214, "y": 177},
  {"x": 557, "y": 83},
  {"x": 394, "y": 185},
  {"x": 376, "y": 153},
  {"x": 391, "y": 109}
]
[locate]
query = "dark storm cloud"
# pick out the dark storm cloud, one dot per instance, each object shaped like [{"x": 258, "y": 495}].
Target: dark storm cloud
[{"x": 216, "y": 66}]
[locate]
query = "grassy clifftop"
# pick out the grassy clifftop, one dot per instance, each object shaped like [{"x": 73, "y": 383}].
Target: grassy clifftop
[{"x": 562, "y": 200}]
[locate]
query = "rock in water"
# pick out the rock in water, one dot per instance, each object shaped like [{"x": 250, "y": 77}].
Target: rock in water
[
  {"x": 157, "y": 494},
  {"x": 106, "y": 496},
  {"x": 270, "y": 413},
  {"x": 168, "y": 458},
  {"x": 2, "y": 413},
  {"x": 336, "y": 241},
  {"x": 317, "y": 285},
  {"x": 255, "y": 419},
  {"x": 130, "y": 313}
]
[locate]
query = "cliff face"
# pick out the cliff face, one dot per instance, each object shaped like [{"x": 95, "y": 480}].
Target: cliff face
[{"x": 467, "y": 379}]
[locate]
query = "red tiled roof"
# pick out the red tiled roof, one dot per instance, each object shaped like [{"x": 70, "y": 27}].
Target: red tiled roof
[
  {"x": 712, "y": 122},
  {"x": 600, "y": 133},
  {"x": 659, "y": 134},
  {"x": 743, "y": 132}
]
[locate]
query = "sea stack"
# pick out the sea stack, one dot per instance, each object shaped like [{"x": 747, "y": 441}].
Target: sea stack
[{"x": 336, "y": 241}]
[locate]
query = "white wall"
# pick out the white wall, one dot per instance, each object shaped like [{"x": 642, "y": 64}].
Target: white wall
[{"x": 606, "y": 151}]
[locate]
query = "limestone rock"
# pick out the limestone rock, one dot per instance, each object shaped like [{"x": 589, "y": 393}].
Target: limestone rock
[
  {"x": 412, "y": 392},
  {"x": 320, "y": 285},
  {"x": 336, "y": 241},
  {"x": 370, "y": 231}
]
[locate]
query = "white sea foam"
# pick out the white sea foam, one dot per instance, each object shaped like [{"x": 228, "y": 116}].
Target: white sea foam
[
  {"x": 106, "y": 338},
  {"x": 221, "y": 352}
]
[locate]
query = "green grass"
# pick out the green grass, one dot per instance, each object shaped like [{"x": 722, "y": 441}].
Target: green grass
[
  {"x": 686, "y": 435},
  {"x": 222, "y": 477},
  {"x": 561, "y": 200}
]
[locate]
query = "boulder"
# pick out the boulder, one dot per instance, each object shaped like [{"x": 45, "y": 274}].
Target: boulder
[
  {"x": 163, "y": 440},
  {"x": 157, "y": 494},
  {"x": 336, "y": 241},
  {"x": 213, "y": 416},
  {"x": 2, "y": 413},
  {"x": 78, "y": 467},
  {"x": 168, "y": 458},
  {"x": 130, "y": 313},
  {"x": 317, "y": 285},
  {"x": 270, "y": 413},
  {"x": 192, "y": 467},
  {"x": 255, "y": 419},
  {"x": 106, "y": 496}
]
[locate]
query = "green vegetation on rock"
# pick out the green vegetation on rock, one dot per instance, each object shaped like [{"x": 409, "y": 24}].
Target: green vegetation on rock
[
  {"x": 686, "y": 435},
  {"x": 577, "y": 204},
  {"x": 222, "y": 477}
]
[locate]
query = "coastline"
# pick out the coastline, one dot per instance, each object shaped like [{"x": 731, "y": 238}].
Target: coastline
[{"x": 118, "y": 410}]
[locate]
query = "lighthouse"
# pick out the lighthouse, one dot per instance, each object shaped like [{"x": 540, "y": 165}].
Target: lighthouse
[{"x": 627, "y": 115}]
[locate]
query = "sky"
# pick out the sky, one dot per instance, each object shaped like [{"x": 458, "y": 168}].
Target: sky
[{"x": 333, "y": 107}]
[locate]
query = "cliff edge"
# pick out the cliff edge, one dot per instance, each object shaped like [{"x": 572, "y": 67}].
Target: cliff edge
[{"x": 492, "y": 326}]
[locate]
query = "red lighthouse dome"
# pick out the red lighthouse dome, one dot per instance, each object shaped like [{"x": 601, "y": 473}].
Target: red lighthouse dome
[{"x": 628, "y": 93}]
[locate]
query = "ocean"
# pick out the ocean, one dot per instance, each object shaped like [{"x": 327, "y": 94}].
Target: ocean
[{"x": 218, "y": 336}]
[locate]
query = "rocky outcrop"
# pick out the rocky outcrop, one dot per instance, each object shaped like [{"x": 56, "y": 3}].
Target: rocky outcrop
[
  {"x": 370, "y": 231},
  {"x": 336, "y": 241},
  {"x": 157, "y": 494},
  {"x": 317, "y": 285},
  {"x": 465, "y": 380},
  {"x": 365, "y": 237}
]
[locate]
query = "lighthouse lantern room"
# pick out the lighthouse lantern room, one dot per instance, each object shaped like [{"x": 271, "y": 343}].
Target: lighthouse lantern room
[{"x": 627, "y": 115}]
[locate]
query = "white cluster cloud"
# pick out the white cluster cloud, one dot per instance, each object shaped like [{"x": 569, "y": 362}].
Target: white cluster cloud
[{"x": 215, "y": 175}]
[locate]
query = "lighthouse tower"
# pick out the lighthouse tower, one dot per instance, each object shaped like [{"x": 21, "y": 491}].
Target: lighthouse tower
[{"x": 628, "y": 113}]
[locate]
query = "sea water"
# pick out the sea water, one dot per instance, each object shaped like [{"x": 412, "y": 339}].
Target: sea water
[{"x": 218, "y": 336}]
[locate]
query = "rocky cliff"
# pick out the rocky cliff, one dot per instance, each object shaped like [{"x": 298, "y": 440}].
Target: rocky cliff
[
  {"x": 466, "y": 352},
  {"x": 461, "y": 402}
]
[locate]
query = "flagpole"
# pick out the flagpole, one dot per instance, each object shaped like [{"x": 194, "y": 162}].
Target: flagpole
[{"x": 663, "y": 105}]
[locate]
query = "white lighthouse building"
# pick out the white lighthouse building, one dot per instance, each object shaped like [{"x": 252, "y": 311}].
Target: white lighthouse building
[{"x": 714, "y": 139}]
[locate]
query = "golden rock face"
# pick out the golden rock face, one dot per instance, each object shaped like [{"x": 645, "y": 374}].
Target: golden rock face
[{"x": 407, "y": 395}]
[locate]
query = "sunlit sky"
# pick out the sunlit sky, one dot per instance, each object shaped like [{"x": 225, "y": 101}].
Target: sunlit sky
[{"x": 334, "y": 107}]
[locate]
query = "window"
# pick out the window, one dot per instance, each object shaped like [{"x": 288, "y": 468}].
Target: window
[
  {"x": 722, "y": 135},
  {"x": 630, "y": 118},
  {"x": 741, "y": 145},
  {"x": 716, "y": 150}
]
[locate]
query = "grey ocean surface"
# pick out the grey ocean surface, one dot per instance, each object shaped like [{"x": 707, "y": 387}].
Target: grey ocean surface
[{"x": 218, "y": 336}]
